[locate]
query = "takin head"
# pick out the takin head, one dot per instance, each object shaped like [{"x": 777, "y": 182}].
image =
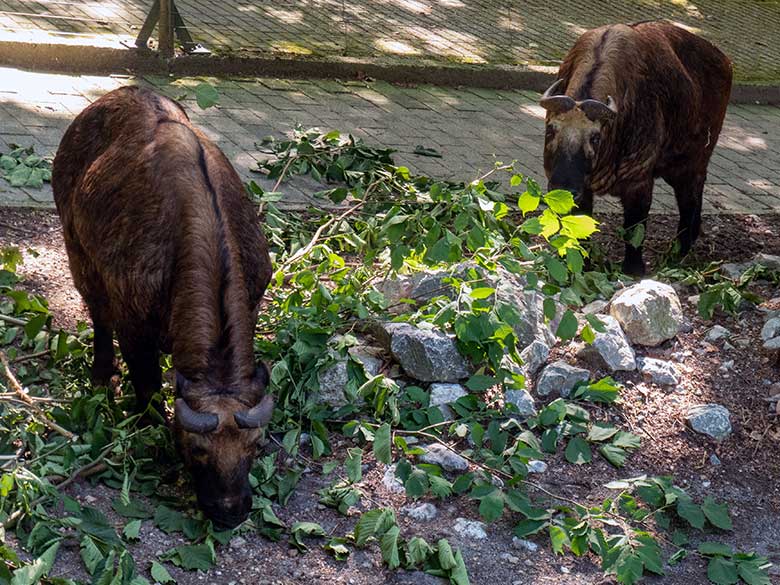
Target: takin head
[
  {"x": 217, "y": 433},
  {"x": 573, "y": 139}
]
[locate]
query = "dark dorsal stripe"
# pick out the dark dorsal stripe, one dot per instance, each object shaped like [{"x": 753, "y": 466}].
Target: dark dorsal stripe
[
  {"x": 584, "y": 91},
  {"x": 221, "y": 353}
]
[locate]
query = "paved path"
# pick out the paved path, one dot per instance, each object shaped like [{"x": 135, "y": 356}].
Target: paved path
[
  {"x": 472, "y": 31},
  {"x": 471, "y": 128}
]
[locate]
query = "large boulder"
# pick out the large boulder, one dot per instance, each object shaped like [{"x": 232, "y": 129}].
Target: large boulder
[
  {"x": 560, "y": 378},
  {"x": 649, "y": 312},
  {"x": 428, "y": 355},
  {"x": 611, "y": 347},
  {"x": 712, "y": 420}
]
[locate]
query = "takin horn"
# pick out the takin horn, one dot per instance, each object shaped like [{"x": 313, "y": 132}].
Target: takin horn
[
  {"x": 192, "y": 421},
  {"x": 257, "y": 416},
  {"x": 557, "y": 104},
  {"x": 596, "y": 110}
]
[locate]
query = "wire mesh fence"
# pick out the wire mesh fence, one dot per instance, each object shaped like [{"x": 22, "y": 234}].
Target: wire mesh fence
[{"x": 445, "y": 31}]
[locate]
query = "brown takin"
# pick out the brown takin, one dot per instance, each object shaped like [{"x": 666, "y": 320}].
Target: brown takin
[
  {"x": 166, "y": 250},
  {"x": 633, "y": 103}
]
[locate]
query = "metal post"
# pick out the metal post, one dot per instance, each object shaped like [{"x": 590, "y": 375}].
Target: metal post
[
  {"x": 165, "y": 29},
  {"x": 148, "y": 28}
]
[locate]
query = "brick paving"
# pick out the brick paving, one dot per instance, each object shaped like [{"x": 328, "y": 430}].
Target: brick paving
[
  {"x": 471, "y": 128},
  {"x": 535, "y": 32}
]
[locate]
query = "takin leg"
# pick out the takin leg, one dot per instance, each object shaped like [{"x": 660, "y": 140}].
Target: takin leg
[
  {"x": 103, "y": 346},
  {"x": 142, "y": 355},
  {"x": 688, "y": 190},
  {"x": 636, "y": 200}
]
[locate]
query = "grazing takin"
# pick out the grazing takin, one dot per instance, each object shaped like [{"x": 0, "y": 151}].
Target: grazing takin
[
  {"x": 632, "y": 103},
  {"x": 166, "y": 250}
]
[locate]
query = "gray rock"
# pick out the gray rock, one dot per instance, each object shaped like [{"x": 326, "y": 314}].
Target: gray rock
[
  {"x": 649, "y": 312},
  {"x": 421, "y": 512},
  {"x": 772, "y": 344},
  {"x": 522, "y": 400},
  {"x": 768, "y": 261},
  {"x": 444, "y": 394},
  {"x": 237, "y": 542},
  {"x": 559, "y": 377},
  {"x": 534, "y": 356},
  {"x": 714, "y": 460},
  {"x": 438, "y": 454},
  {"x": 471, "y": 529},
  {"x": 392, "y": 484},
  {"x": 334, "y": 378},
  {"x": 717, "y": 333},
  {"x": 712, "y": 420},
  {"x": 734, "y": 270},
  {"x": 658, "y": 371},
  {"x": 536, "y": 466},
  {"x": 595, "y": 307},
  {"x": 523, "y": 544},
  {"x": 611, "y": 347},
  {"x": 510, "y": 558},
  {"x": 771, "y": 329},
  {"x": 428, "y": 355}
]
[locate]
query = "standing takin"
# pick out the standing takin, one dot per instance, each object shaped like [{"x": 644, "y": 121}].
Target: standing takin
[
  {"x": 166, "y": 250},
  {"x": 632, "y": 103}
]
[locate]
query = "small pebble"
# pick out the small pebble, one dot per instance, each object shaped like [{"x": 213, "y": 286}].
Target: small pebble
[
  {"x": 714, "y": 460},
  {"x": 565, "y": 570}
]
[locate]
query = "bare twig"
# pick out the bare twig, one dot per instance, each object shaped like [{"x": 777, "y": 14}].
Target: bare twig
[
  {"x": 12, "y": 320},
  {"x": 29, "y": 403},
  {"x": 308, "y": 247},
  {"x": 31, "y": 356}
]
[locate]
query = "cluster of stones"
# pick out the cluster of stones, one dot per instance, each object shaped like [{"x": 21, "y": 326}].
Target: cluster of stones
[{"x": 643, "y": 315}]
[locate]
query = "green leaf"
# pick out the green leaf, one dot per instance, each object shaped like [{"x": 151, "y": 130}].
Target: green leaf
[
  {"x": 440, "y": 486},
  {"x": 160, "y": 574},
  {"x": 691, "y": 512},
  {"x": 626, "y": 440},
  {"x": 515, "y": 180},
  {"x": 418, "y": 550},
  {"x": 35, "y": 325},
  {"x": 557, "y": 269},
  {"x": 717, "y": 514},
  {"x": 558, "y": 539},
  {"x": 131, "y": 509},
  {"x": 168, "y": 520},
  {"x": 528, "y": 202},
  {"x": 206, "y": 95},
  {"x": 615, "y": 455},
  {"x": 560, "y": 201},
  {"x": 301, "y": 529},
  {"x": 416, "y": 484},
  {"x": 722, "y": 572},
  {"x": 567, "y": 328},
  {"x": 480, "y": 383},
  {"x": 389, "y": 546},
  {"x": 601, "y": 432},
  {"x": 482, "y": 293},
  {"x": 715, "y": 549},
  {"x": 32, "y": 573},
  {"x": 446, "y": 557},
  {"x": 578, "y": 227},
  {"x": 628, "y": 567},
  {"x": 353, "y": 464},
  {"x": 382, "y": 444},
  {"x": 492, "y": 506},
  {"x": 529, "y": 527},
  {"x": 193, "y": 557},
  {"x": 636, "y": 235},
  {"x": 90, "y": 554},
  {"x": 459, "y": 574},
  {"x": 650, "y": 552},
  {"x": 578, "y": 451},
  {"x": 754, "y": 571},
  {"x": 132, "y": 530}
]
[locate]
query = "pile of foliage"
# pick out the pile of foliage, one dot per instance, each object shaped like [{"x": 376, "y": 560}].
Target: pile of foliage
[{"x": 328, "y": 265}]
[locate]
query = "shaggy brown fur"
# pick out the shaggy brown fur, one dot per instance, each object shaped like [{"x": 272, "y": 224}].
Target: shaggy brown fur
[
  {"x": 671, "y": 89},
  {"x": 166, "y": 250}
]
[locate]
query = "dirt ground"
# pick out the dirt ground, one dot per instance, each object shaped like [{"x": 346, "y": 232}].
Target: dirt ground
[{"x": 746, "y": 477}]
